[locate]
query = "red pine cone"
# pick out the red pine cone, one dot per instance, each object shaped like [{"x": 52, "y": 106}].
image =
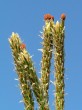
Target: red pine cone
[
  {"x": 48, "y": 17},
  {"x": 63, "y": 16},
  {"x": 22, "y": 46}
]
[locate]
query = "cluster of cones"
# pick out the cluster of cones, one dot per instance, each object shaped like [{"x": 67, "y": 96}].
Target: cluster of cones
[{"x": 49, "y": 16}]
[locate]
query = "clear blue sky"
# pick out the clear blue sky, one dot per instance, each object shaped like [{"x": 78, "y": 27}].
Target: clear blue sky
[{"x": 26, "y": 18}]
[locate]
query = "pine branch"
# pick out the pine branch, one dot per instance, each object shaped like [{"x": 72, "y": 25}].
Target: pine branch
[
  {"x": 58, "y": 42},
  {"x": 16, "y": 44}
]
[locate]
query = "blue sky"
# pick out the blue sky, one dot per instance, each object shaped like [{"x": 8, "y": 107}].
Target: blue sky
[{"x": 26, "y": 18}]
